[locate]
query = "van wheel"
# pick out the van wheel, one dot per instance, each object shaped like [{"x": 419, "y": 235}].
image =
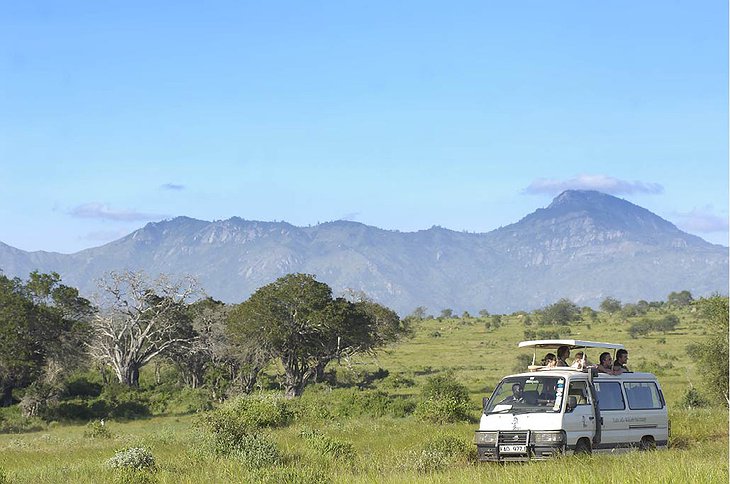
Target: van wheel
[
  {"x": 582, "y": 447},
  {"x": 647, "y": 443}
]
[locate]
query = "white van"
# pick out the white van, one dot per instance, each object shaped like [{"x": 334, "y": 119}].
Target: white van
[{"x": 562, "y": 410}]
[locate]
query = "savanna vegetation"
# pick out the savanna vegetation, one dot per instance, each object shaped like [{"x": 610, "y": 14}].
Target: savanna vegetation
[{"x": 154, "y": 382}]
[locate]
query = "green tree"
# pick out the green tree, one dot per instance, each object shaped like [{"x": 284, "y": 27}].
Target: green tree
[
  {"x": 446, "y": 313},
  {"x": 43, "y": 325},
  {"x": 712, "y": 354},
  {"x": 419, "y": 313},
  {"x": 562, "y": 312},
  {"x": 611, "y": 305},
  {"x": 296, "y": 320},
  {"x": 680, "y": 299}
]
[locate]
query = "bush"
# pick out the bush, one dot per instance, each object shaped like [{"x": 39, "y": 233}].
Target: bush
[
  {"x": 451, "y": 447},
  {"x": 81, "y": 387},
  {"x": 693, "y": 399},
  {"x": 97, "y": 430},
  {"x": 374, "y": 404},
  {"x": 255, "y": 451},
  {"x": 443, "y": 400},
  {"x": 138, "y": 458},
  {"x": 328, "y": 446}
]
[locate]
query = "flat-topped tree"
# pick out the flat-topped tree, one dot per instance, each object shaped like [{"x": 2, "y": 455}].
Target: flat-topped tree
[{"x": 297, "y": 321}]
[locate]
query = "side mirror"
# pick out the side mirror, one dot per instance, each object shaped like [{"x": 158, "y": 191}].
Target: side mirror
[
  {"x": 485, "y": 400},
  {"x": 572, "y": 403}
]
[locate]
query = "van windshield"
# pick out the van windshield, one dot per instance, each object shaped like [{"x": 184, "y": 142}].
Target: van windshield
[{"x": 527, "y": 394}]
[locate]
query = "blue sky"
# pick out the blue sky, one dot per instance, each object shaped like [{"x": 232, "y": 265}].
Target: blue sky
[{"x": 402, "y": 115}]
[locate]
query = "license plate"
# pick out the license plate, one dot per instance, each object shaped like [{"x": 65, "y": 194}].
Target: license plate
[{"x": 512, "y": 449}]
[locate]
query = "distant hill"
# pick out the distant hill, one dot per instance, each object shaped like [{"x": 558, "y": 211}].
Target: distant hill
[{"x": 584, "y": 246}]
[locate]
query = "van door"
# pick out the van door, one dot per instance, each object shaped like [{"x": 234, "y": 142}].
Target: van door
[
  {"x": 581, "y": 422},
  {"x": 648, "y": 411},
  {"x": 613, "y": 413}
]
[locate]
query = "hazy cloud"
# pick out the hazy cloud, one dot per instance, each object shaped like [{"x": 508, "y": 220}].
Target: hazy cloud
[
  {"x": 104, "y": 235},
  {"x": 173, "y": 186},
  {"x": 104, "y": 212},
  {"x": 702, "y": 220},
  {"x": 602, "y": 183},
  {"x": 351, "y": 217}
]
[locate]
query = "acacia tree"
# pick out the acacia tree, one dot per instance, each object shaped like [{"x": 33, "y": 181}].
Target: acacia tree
[
  {"x": 140, "y": 319},
  {"x": 296, "y": 320}
]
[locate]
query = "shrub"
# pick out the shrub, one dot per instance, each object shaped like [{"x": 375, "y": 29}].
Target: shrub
[
  {"x": 443, "y": 400},
  {"x": 137, "y": 458},
  {"x": 255, "y": 451},
  {"x": 693, "y": 399},
  {"x": 81, "y": 387},
  {"x": 451, "y": 447},
  {"x": 373, "y": 403},
  {"x": 97, "y": 430},
  {"x": 329, "y": 446},
  {"x": 522, "y": 362},
  {"x": 427, "y": 462}
]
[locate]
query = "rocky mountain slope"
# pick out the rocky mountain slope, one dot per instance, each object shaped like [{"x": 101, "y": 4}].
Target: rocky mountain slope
[{"x": 584, "y": 246}]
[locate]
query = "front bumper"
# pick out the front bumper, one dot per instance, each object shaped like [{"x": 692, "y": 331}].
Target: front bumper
[{"x": 490, "y": 453}]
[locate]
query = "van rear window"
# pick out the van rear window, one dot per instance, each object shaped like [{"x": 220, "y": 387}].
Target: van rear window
[
  {"x": 609, "y": 396},
  {"x": 643, "y": 395}
]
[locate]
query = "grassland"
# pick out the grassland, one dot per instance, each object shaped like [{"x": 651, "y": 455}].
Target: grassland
[{"x": 391, "y": 449}]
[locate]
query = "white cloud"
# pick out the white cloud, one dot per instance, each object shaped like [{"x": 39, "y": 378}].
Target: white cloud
[
  {"x": 702, "y": 220},
  {"x": 601, "y": 183},
  {"x": 104, "y": 212}
]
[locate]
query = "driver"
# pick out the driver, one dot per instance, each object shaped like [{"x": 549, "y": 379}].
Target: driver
[{"x": 516, "y": 396}]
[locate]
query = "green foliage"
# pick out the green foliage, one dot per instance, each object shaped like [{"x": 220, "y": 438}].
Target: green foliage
[
  {"x": 680, "y": 299},
  {"x": 562, "y": 312},
  {"x": 296, "y": 320},
  {"x": 4, "y": 479},
  {"x": 329, "y": 446},
  {"x": 443, "y": 400},
  {"x": 646, "y": 326},
  {"x": 97, "y": 430},
  {"x": 137, "y": 458},
  {"x": 712, "y": 354},
  {"x": 446, "y": 313},
  {"x": 522, "y": 361},
  {"x": 246, "y": 414},
  {"x": 611, "y": 305},
  {"x": 290, "y": 474},
  {"x": 693, "y": 399},
  {"x": 374, "y": 404}
]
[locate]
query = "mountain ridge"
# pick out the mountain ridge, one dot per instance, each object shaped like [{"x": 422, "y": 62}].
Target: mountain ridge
[{"x": 585, "y": 246}]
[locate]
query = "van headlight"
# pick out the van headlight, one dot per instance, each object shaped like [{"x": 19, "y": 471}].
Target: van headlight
[
  {"x": 548, "y": 438},
  {"x": 486, "y": 438}
]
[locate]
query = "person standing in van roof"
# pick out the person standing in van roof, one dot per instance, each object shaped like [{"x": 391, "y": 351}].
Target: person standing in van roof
[
  {"x": 563, "y": 355},
  {"x": 619, "y": 366},
  {"x": 605, "y": 364},
  {"x": 549, "y": 360}
]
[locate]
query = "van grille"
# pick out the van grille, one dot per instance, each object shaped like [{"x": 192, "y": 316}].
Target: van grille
[{"x": 512, "y": 438}]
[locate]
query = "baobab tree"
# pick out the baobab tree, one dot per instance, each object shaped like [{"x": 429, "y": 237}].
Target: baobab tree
[{"x": 139, "y": 319}]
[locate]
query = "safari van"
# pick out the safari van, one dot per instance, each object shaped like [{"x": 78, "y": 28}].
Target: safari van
[{"x": 561, "y": 410}]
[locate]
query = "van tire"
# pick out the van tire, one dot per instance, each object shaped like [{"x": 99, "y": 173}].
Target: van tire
[
  {"x": 582, "y": 447},
  {"x": 647, "y": 443}
]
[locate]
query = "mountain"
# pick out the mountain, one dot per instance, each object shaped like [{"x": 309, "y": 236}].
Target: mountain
[{"x": 585, "y": 246}]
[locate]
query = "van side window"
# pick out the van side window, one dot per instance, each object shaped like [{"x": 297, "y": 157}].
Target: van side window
[
  {"x": 579, "y": 390},
  {"x": 643, "y": 395},
  {"x": 609, "y": 396}
]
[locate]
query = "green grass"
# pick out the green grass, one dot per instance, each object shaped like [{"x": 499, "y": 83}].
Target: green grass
[{"x": 388, "y": 449}]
